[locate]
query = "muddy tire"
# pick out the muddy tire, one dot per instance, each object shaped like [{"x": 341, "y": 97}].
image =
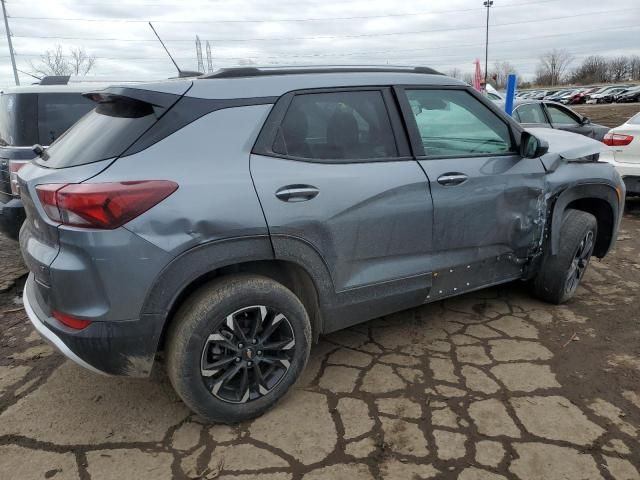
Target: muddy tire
[
  {"x": 560, "y": 275},
  {"x": 236, "y": 346}
]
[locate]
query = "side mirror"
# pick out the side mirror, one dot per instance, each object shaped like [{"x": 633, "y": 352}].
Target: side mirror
[
  {"x": 532, "y": 146},
  {"x": 586, "y": 120}
]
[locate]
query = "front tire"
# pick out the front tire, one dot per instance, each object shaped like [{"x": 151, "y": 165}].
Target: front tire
[
  {"x": 236, "y": 346},
  {"x": 560, "y": 275}
]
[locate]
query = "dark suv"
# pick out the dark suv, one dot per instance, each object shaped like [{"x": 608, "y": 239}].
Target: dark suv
[
  {"x": 230, "y": 220},
  {"x": 33, "y": 114}
]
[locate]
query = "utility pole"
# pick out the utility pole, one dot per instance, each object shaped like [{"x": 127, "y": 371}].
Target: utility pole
[
  {"x": 209, "y": 59},
  {"x": 488, "y": 4},
  {"x": 13, "y": 58},
  {"x": 199, "y": 54}
]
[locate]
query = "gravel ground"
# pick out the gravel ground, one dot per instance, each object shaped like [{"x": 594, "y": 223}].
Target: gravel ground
[{"x": 490, "y": 385}]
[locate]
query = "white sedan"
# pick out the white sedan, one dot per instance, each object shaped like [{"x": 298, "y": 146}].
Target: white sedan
[{"x": 624, "y": 153}]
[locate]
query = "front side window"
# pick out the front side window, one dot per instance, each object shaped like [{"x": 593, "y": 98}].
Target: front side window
[
  {"x": 339, "y": 125},
  {"x": 560, "y": 116},
  {"x": 455, "y": 123},
  {"x": 530, "y": 113},
  {"x": 57, "y": 112}
]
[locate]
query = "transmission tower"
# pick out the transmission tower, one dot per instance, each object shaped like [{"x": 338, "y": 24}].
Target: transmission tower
[
  {"x": 209, "y": 60},
  {"x": 199, "y": 54}
]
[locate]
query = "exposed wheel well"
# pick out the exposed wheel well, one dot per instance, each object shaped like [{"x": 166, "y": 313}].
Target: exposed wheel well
[
  {"x": 605, "y": 217},
  {"x": 292, "y": 276}
]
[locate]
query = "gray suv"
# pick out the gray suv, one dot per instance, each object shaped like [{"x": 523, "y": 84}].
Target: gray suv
[{"x": 232, "y": 219}]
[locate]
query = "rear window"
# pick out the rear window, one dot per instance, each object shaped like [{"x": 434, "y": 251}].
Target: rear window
[
  {"x": 103, "y": 133},
  {"x": 18, "y": 120},
  {"x": 635, "y": 120},
  {"x": 57, "y": 112}
]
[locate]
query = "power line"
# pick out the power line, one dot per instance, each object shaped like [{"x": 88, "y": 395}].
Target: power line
[
  {"x": 329, "y": 37},
  {"x": 276, "y": 20},
  {"x": 373, "y": 52}
]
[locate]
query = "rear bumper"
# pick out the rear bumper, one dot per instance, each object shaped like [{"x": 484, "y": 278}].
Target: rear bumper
[
  {"x": 630, "y": 172},
  {"x": 109, "y": 348},
  {"x": 11, "y": 217}
]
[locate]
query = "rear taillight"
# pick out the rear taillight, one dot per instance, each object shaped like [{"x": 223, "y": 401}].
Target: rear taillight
[
  {"x": 617, "y": 139},
  {"x": 102, "y": 205},
  {"x": 71, "y": 322},
  {"x": 14, "y": 168}
]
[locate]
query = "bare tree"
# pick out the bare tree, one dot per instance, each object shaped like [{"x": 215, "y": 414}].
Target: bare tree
[
  {"x": 553, "y": 66},
  {"x": 455, "y": 72},
  {"x": 618, "y": 69},
  {"x": 52, "y": 62},
  {"x": 55, "y": 62},
  {"x": 593, "y": 69},
  {"x": 634, "y": 67},
  {"x": 80, "y": 62},
  {"x": 500, "y": 73},
  {"x": 468, "y": 78}
]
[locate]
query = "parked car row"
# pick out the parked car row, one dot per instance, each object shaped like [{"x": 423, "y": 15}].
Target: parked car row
[{"x": 592, "y": 95}]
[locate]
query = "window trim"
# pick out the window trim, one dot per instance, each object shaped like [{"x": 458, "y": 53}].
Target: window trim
[
  {"x": 414, "y": 134},
  {"x": 268, "y": 133}
]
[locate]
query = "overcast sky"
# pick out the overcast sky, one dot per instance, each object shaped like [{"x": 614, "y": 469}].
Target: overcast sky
[{"x": 439, "y": 33}]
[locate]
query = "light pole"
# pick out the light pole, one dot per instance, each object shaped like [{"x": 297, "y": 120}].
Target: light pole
[
  {"x": 488, "y": 4},
  {"x": 13, "y": 59}
]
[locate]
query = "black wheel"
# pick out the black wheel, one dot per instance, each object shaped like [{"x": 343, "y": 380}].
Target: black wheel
[
  {"x": 236, "y": 346},
  {"x": 560, "y": 275}
]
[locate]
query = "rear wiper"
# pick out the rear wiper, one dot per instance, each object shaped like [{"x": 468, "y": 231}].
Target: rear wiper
[{"x": 40, "y": 151}]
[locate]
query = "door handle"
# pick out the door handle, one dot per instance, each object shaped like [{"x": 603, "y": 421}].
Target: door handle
[
  {"x": 451, "y": 179},
  {"x": 297, "y": 193}
]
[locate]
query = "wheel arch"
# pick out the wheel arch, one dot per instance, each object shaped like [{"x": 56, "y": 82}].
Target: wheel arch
[
  {"x": 599, "y": 199},
  {"x": 216, "y": 259}
]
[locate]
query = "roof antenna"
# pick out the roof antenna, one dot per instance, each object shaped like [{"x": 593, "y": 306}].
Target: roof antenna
[{"x": 181, "y": 73}]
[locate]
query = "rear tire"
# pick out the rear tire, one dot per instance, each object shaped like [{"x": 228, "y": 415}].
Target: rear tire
[
  {"x": 560, "y": 275},
  {"x": 236, "y": 346}
]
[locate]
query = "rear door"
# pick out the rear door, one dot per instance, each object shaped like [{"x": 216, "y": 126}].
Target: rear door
[
  {"x": 333, "y": 170},
  {"x": 487, "y": 199}
]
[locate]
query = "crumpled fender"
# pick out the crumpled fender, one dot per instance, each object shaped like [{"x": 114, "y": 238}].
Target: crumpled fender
[{"x": 565, "y": 146}]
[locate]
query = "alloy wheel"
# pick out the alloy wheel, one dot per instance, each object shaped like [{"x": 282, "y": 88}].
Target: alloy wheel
[
  {"x": 248, "y": 355},
  {"x": 580, "y": 262}
]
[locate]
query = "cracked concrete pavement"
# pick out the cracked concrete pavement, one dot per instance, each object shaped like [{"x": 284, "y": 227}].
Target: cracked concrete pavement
[{"x": 490, "y": 385}]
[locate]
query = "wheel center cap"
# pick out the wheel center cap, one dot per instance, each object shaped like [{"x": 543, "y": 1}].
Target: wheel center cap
[{"x": 249, "y": 354}]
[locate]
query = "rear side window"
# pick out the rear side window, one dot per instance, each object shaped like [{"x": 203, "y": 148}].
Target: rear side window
[
  {"x": 561, "y": 116},
  {"x": 18, "y": 121},
  {"x": 530, "y": 113},
  {"x": 338, "y": 125},
  {"x": 57, "y": 112},
  {"x": 103, "y": 133}
]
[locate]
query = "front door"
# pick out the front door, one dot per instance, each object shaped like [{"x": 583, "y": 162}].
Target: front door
[
  {"x": 337, "y": 180},
  {"x": 564, "y": 119},
  {"x": 488, "y": 201}
]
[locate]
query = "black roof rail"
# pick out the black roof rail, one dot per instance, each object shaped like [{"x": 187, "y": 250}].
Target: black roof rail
[
  {"x": 55, "y": 80},
  {"x": 236, "y": 72}
]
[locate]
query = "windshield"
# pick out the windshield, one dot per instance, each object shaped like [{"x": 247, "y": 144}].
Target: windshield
[{"x": 18, "y": 120}]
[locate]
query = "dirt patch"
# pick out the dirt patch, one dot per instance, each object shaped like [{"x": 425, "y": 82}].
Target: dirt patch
[{"x": 610, "y": 115}]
